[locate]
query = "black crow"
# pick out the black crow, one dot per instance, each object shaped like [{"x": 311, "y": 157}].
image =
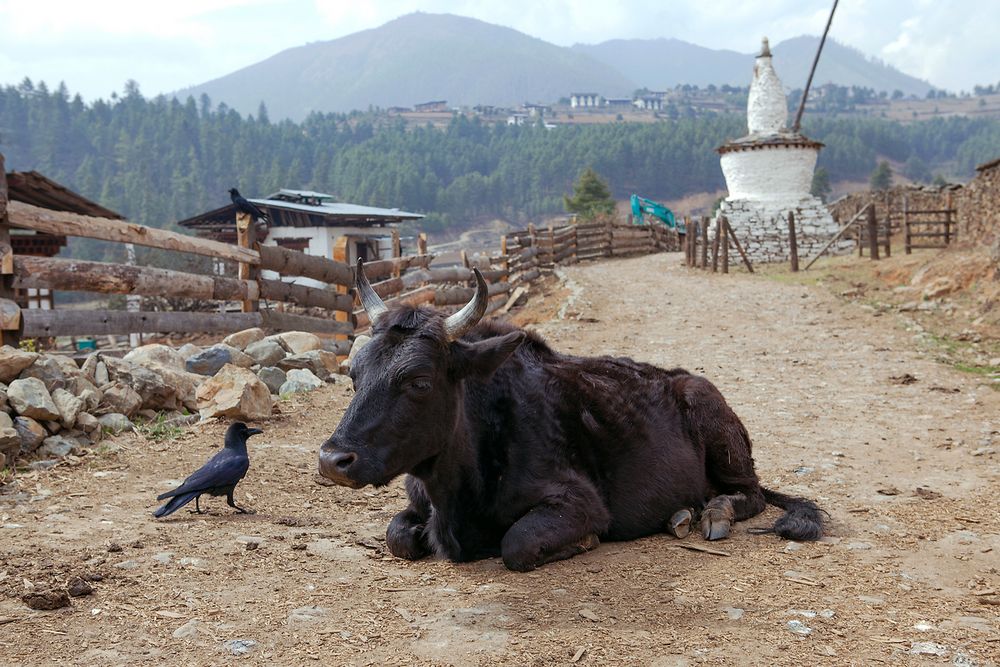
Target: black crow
[
  {"x": 243, "y": 205},
  {"x": 217, "y": 477}
]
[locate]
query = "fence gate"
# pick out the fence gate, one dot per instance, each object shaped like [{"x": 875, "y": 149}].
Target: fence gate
[{"x": 928, "y": 228}]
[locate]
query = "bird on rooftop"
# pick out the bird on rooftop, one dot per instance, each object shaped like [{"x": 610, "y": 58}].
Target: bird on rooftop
[
  {"x": 219, "y": 476},
  {"x": 244, "y": 205}
]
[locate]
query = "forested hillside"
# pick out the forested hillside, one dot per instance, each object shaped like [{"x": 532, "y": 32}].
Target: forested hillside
[{"x": 160, "y": 160}]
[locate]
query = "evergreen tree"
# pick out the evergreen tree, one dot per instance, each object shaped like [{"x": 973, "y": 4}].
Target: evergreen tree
[
  {"x": 916, "y": 169},
  {"x": 881, "y": 178},
  {"x": 591, "y": 196},
  {"x": 820, "y": 184}
]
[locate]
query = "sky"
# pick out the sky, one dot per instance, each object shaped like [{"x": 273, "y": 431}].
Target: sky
[{"x": 94, "y": 46}]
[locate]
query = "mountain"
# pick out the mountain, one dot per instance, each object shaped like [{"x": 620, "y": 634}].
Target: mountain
[
  {"x": 663, "y": 63},
  {"x": 415, "y": 58}
]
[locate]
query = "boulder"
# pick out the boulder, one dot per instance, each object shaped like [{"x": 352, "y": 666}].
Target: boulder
[
  {"x": 266, "y": 352},
  {"x": 162, "y": 389},
  {"x": 30, "y": 398},
  {"x": 56, "y": 446},
  {"x": 88, "y": 393},
  {"x": 241, "y": 339},
  {"x": 156, "y": 356},
  {"x": 188, "y": 350},
  {"x": 101, "y": 376},
  {"x": 115, "y": 422},
  {"x": 87, "y": 422},
  {"x": 359, "y": 343},
  {"x": 89, "y": 367},
  {"x": 297, "y": 342},
  {"x": 234, "y": 392},
  {"x": 300, "y": 379},
  {"x": 31, "y": 433},
  {"x": 48, "y": 370},
  {"x": 10, "y": 440},
  {"x": 69, "y": 406},
  {"x": 273, "y": 377},
  {"x": 320, "y": 362},
  {"x": 13, "y": 361},
  {"x": 3, "y": 398},
  {"x": 210, "y": 360},
  {"x": 119, "y": 398}
]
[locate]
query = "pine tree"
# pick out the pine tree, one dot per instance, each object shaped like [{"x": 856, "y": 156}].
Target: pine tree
[
  {"x": 591, "y": 196},
  {"x": 820, "y": 184},
  {"x": 881, "y": 178}
]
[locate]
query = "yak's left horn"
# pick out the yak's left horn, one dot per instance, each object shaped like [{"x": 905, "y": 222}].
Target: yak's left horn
[
  {"x": 460, "y": 323},
  {"x": 373, "y": 303}
]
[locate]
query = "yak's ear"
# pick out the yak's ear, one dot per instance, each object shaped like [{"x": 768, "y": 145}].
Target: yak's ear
[{"x": 483, "y": 357}]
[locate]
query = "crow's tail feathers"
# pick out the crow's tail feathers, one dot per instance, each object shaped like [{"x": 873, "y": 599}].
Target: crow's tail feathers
[
  {"x": 802, "y": 519},
  {"x": 174, "y": 504}
]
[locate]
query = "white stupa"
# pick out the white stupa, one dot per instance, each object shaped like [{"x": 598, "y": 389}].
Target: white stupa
[{"x": 769, "y": 173}]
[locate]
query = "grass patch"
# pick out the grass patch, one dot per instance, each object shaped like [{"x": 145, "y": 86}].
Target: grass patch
[{"x": 159, "y": 430}]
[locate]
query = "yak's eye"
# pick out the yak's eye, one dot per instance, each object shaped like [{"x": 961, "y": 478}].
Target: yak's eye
[{"x": 417, "y": 385}]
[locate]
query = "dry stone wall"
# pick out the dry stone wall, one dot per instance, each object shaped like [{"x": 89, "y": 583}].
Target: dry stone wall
[{"x": 762, "y": 228}]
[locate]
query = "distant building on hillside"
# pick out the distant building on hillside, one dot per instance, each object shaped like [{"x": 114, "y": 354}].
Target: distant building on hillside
[
  {"x": 577, "y": 100},
  {"x": 618, "y": 102},
  {"x": 517, "y": 119},
  {"x": 536, "y": 110},
  {"x": 649, "y": 103},
  {"x": 435, "y": 105},
  {"x": 313, "y": 223}
]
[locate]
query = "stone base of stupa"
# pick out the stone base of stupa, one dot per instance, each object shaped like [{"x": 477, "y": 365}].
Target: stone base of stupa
[{"x": 762, "y": 228}]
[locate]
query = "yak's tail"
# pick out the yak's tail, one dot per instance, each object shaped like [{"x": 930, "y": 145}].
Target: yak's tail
[
  {"x": 174, "y": 504},
  {"x": 802, "y": 519}
]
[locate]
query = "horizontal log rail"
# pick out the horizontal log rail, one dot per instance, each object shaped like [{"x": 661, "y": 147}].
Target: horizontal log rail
[
  {"x": 457, "y": 295},
  {"x": 45, "y": 323},
  {"x": 383, "y": 268},
  {"x": 295, "y": 263},
  {"x": 106, "y": 278},
  {"x": 304, "y": 295},
  {"x": 413, "y": 298},
  {"x": 63, "y": 223}
]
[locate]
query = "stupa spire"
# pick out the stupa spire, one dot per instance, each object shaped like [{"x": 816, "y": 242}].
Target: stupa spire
[{"x": 767, "y": 110}]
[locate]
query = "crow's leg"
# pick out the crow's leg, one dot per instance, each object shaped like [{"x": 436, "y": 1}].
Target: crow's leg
[
  {"x": 197, "y": 509},
  {"x": 232, "y": 503}
]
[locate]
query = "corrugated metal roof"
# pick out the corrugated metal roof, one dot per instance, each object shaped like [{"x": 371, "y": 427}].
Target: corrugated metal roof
[
  {"x": 300, "y": 194},
  {"x": 339, "y": 209}
]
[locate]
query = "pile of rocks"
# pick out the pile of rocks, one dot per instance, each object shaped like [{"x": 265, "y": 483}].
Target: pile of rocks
[{"x": 50, "y": 407}]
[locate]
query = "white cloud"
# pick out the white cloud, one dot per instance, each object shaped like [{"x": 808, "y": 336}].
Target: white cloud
[{"x": 95, "y": 46}]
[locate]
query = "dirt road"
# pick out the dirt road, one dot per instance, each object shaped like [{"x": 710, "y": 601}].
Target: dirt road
[{"x": 908, "y": 473}]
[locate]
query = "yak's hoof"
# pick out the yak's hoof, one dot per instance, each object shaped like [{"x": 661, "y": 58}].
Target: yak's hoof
[
  {"x": 680, "y": 523},
  {"x": 589, "y": 543},
  {"x": 714, "y": 526}
]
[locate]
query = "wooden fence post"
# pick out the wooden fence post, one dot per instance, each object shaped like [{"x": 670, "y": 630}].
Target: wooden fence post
[
  {"x": 736, "y": 243},
  {"x": 246, "y": 237},
  {"x": 688, "y": 243},
  {"x": 947, "y": 219},
  {"x": 715, "y": 249},
  {"x": 724, "y": 228},
  {"x": 422, "y": 243},
  {"x": 888, "y": 232},
  {"x": 11, "y": 322},
  {"x": 872, "y": 233},
  {"x": 704, "y": 241},
  {"x": 906, "y": 225},
  {"x": 793, "y": 243}
]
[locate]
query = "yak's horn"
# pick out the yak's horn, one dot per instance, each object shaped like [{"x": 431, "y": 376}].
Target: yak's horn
[
  {"x": 460, "y": 323},
  {"x": 373, "y": 303}
]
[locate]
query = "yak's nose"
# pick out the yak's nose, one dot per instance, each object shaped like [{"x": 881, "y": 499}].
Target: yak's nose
[{"x": 337, "y": 465}]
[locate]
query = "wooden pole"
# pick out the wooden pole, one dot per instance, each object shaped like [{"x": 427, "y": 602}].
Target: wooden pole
[
  {"x": 13, "y": 323},
  {"x": 739, "y": 247},
  {"x": 947, "y": 220},
  {"x": 888, "y": 231},
  {"x": 906, "y": 225},
  {"x": 805, "y": 93},
  {"x": 246, "y": 237},
  {"x": 793, "y": 244},
  {"x": 872, "y": 233},
  {"x": 422, "y": 243},
  {"x": 725, "y": 244},
  {"x": 850, "y": 223},
  {"x": 715, "y": 249},
  {"x": 704, "y": 241}
]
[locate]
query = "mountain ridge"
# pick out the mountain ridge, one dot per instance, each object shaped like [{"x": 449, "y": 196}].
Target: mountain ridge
[{"x": 420, "y": 57}]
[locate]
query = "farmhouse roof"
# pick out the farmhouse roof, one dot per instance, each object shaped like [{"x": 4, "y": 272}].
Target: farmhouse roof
[{"x": 32, "y": 188}]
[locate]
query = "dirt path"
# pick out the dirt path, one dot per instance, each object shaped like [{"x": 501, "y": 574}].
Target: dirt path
[{"x": 908, "y": 472}]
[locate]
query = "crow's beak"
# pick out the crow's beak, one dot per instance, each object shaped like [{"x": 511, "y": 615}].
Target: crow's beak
[{"x": 253, "y": 431}]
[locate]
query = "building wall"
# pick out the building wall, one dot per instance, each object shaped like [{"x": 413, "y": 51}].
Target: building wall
[
  {"x": 778, "y": 173},
  {"x": 978, "y": 205},
  {"x": 322, "y": 241}
]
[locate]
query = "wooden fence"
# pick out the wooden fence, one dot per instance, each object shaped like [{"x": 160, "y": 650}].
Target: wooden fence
[
  {"x": 524, "y": 256},
  {"x": 931, "y": 227}
]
